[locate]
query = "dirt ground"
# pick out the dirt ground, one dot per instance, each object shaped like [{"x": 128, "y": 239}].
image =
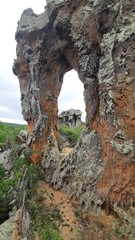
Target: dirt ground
[{"x": 76, "y": 224}]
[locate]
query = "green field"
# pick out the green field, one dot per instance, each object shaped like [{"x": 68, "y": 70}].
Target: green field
[{"x": 9, "y": 133}]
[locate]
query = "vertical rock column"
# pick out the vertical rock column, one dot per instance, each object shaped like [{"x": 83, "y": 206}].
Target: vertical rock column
[
  {"x": 40, "y": 68},
  {"x": 117, "y": 126}
]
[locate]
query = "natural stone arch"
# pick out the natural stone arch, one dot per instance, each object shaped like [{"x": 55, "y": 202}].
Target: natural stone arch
[
  {"x": 41, "y": 65},
  {"x": 90, "y": 37}
]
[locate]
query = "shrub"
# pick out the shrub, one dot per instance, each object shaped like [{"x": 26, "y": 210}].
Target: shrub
[
  {"x": 71, "y": 133},
  {"x": 7, "y": 191},
  {"x": 23, "y": 180},
  {"x": 50, "y": 234}
]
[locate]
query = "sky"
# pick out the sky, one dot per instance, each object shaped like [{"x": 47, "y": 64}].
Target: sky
[{"x": 71, "y": 95}]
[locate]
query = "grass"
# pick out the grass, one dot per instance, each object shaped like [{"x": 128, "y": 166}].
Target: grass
[
  {"x": 8, "y": 134},
  {"x": 72, "y": 134}
]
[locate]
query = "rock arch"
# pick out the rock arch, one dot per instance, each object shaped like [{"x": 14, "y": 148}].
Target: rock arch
[{"x": 90, "y": 37}]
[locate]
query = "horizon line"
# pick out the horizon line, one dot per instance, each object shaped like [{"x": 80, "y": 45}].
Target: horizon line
[{"x": 11, "y": 120}]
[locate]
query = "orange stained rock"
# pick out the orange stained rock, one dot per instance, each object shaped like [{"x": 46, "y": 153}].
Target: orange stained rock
[
  {"x": 102, "y": 49},
  {"x": 37, "y": 151},
  {"x": 30, "y": 126}
]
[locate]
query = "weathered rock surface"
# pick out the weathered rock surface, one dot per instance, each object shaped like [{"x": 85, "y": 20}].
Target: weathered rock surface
[
  {"x": 16, "y": 227},
  {"x": 62, "y": 141},
  {"x": 97, "y": 39},
  {"x": 5, "y": 160},
  {"x": 71, "y": 118},
  {"x": 23, "y": 134}
]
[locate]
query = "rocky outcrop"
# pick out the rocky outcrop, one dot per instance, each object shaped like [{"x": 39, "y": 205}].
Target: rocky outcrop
[
  {"x": 97, "y": 39},
  {"x": 71, "y": 118},
  {"x": 5, "y": 161},
  {"x": 23, "y": 134},
  {"x": 16, "y": 227}
]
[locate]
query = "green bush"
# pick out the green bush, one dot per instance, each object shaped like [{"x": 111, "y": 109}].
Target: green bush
[
  {"x": 7, "y": 191},
  {"x": 20, "y": 166},
  {"x": 13, "y": 188},
  {"x": 71, "y": 133},
  {"x": 50, "y": 234}
]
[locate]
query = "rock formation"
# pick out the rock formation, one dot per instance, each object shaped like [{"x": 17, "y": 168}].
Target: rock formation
[
  {"x": 71, "y": 118},
  {"x": 97, "y": 39},
  {"x": 15, "y": 228}
]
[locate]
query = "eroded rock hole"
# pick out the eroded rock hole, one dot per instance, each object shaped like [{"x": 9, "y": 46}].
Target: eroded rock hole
[
  {"x": 93, "y": 203},
  {"x": 83, "y": 203},
  {"x": 71, "y": 116},
  {"x": 4, "y": 213}
]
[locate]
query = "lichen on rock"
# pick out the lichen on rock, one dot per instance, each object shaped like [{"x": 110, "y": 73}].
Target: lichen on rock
[{"x": 96, "y": 38}]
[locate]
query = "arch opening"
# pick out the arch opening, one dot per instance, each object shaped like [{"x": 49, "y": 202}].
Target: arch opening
[
  {"x": 71, "y": 115},
  {"x": 71, "y": 95}
]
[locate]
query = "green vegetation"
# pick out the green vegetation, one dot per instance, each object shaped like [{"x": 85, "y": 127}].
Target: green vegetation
[
  {"x": 20, "y": 187},
  {"x": 8, "y": 134},
  {"x": 50, "y": 234},
  {"x": 72, "y": 134},
  {"x": 7, "y": 192},
  {"x": 12, "y": 189},
  {"x": 9, "y": 186},
  {"x": 45, "y": 220}
]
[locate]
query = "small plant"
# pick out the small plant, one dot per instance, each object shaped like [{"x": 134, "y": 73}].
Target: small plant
[{"x": 50, "y": 234}]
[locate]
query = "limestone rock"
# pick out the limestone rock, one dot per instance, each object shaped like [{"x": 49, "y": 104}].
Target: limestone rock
[
  {"x": 71, "y": 118},
  {"x": 62, "y": 141},
  {"x": 97, "y": 39},
  {"x": 89, "y": 170},
  {"x": 23, "y": 135},
  {"x": 16, "y": 227},
  {"x": 5, "y": 160}
]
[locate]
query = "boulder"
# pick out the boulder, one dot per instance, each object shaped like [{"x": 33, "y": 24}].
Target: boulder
[
  {"x": 5, "y": 160},
  {"x": 23, "y": 135},
  {"x": 71, "y": 118}
]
